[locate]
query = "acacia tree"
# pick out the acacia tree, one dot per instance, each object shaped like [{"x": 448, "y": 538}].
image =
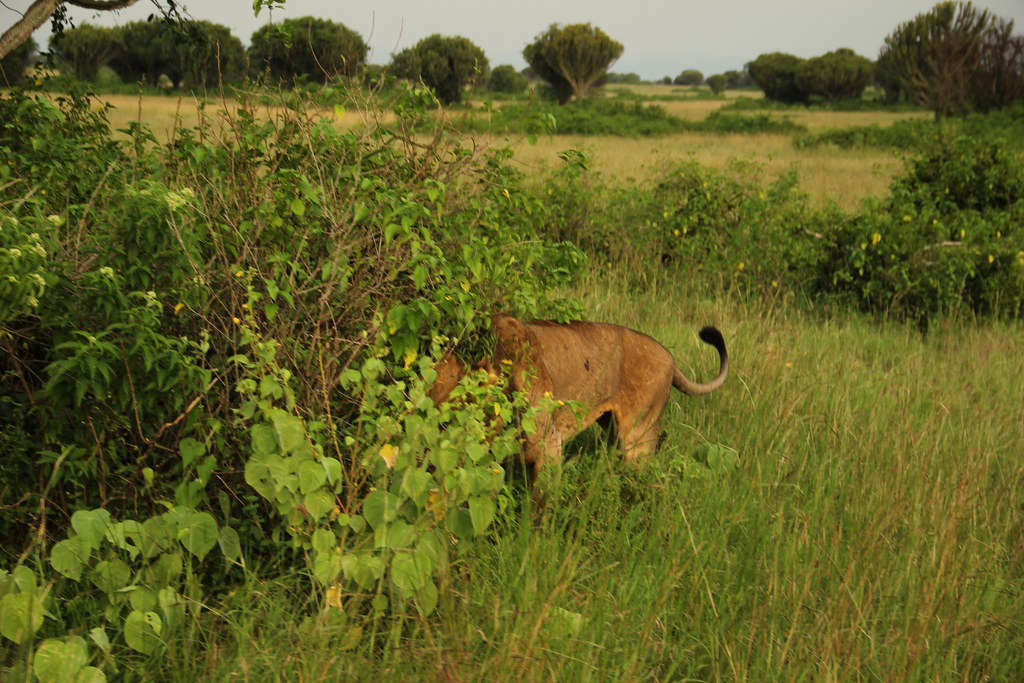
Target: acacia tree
[
  {"x": 86, "y": 48},
  {"x": 448, "y": 64},
  {"x": 573, "y": 59},
  {"x": 954, "y": 59},
  {"x": 689, "y": 77},
  {"x": 838, "y": 75},
  {"x": 307, "y": 47}
]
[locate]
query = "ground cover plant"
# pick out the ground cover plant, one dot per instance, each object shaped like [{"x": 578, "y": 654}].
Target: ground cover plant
[{"x": 220, "y": 460}]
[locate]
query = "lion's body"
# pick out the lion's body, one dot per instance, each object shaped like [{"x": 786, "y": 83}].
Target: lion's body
[{"x": 594, "y": 368}]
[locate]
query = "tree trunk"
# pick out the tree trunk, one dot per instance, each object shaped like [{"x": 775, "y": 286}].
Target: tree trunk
[{"x": 41, "y": 10}]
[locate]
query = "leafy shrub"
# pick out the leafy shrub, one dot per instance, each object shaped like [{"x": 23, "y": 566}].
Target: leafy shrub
[
  {"x": 949, "y": 238},
  {"x": 264, "y": 304}
]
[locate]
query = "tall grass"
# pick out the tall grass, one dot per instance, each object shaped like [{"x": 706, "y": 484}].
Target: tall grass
[{"x": 871, "y": 530}]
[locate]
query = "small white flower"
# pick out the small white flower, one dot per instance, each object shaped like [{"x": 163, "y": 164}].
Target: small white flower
[
  {"x": 106, "y": 271},
  {"x": 32, "y": 301},
  {"x": 38, "y": 249},
  {"x": 55, "y": 220},
  {"x": 14, "y": 252},
  {"x": 38, "y": 279}
]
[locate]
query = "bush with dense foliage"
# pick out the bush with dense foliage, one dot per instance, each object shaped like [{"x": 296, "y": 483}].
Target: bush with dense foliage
[
  {"x": 307, "y": 48},
  {"x": 447, "y": 64},
  {"x": 776, "y": 74},
  {"x": 505, "y": 79},
  {"x": 838, "y": 75},
  {"x": 218, "y": 351}
]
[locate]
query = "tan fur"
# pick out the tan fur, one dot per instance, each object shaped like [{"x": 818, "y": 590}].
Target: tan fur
[
  {"x": 592, "y": 369},
  {"x": 601, "y": 368}
]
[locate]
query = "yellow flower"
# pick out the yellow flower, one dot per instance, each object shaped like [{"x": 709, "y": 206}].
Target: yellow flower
[
  {"x": 963, "y": 233},
  {"x": 239, "y": 274},
  {"x": 876, "y": 238},
  {"x": 991, "y": 258},
  {"x": 410, "y": 356},
  {"x": 906, "y": 219},
  {"x": 177, "y": 307},
  {"x": 741, "y": 266},
  {"x": 235, "y": 320}
]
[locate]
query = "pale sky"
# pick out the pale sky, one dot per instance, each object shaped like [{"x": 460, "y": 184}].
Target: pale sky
[{"x": 661, "y": 37}]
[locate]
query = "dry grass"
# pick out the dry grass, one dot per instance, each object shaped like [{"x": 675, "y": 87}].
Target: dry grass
[{"x": 826, "y": 174}]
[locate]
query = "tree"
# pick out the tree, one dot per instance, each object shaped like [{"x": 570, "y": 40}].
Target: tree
[
  {"x": 717, "y": 83},
  {"x": 572, "y": 59},
  {"x": 12, "y": 67},
  {"x": 506, "y": 79},
  {"x": 1001, "y": 80},
  {"x": 447, "y": 64},
  {"x": 775, "y": 74},
  {"x": 689, "y": 77},
  {"x": 147, "y": 51},
  {"x": 738, "y": 79},
  {"x": 40, "y": 11},
  {"x": 86, "y": 48},
  {"x": 953, "y": 59},
  {"x": 838, "y": 75},
  {"x": 211, "y": 53},
  {"x": 307, "y": 47}
]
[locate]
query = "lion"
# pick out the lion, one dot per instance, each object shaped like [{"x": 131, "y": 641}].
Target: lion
[{"x": 586, "y": 370}]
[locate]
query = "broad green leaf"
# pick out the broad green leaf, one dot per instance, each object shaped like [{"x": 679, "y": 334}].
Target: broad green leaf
[
  {"x": 459, "y": 522},
  {"x": 297, "y": 207},
  {"x": 21, "y": 615},
  {"x": 142, "y": 599},
  {"x": 481, "y": 511},
  {"x": 263, "y": 440},
  {"x": 406, "y": 574},
  {"x": 199, "y": 534},
  {"x": 397, "y": 534},
  {"x": 172, "y": 605},
  {"x": 69, "y": 557},
  {"x": 415, "y": 483},
  {"x": 190, "y": 450},
  {"x": 142, "y": 631},
  {"x": 363, "y": 568},
  {"x": 324, "y": 540},
  {"x": 91, "y": 526},
  {"x": 59, "y": 661},
  {"x": 229, "y": 543},
  {"x": 290, "y": 433},
  {"x": 379, "y": 508},
  {"x": 24, "y": 579},
  {"x": 91, "y": 674},
  {"x": 326, "y": 567},
  {"x": 333, "y": 469},
  {"x": 312, "y": 475},
  {"x": 426, "y": 597},
  {"x": 259, "y": 474},
  {"x": 318, "y": 503},
  {"x": 110, "y": 576},
  {"x": 156, "y": 537},
  {"x": 99, "y": 636}
]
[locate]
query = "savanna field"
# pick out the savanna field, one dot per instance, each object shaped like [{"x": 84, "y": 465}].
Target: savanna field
[{"x": 220, "y": 461}]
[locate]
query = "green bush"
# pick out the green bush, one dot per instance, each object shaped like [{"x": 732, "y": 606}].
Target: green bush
[
  {"x": 948, "y": 239},
  {"x": 226, "y": 343}
]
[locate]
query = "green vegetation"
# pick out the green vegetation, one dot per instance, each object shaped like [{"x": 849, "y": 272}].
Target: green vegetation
[
  {"x": 220, "y": 459},
  {"x": 307, "y": 48},
  {"x": 573, "y": 59},
  {"x": 447, "y": 64}
]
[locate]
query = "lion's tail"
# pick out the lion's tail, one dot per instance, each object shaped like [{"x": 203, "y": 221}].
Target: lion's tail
[{"x": 709, "y": 335}]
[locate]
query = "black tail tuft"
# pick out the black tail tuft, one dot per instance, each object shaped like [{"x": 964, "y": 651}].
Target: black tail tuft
[{"x": 711, "y": 335}]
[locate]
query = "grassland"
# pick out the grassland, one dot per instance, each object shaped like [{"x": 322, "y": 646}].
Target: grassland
[
  {"x": 864, "y": 520},
  {"x": 827, "y": 174},
  {"x": 870, "y": 530}
]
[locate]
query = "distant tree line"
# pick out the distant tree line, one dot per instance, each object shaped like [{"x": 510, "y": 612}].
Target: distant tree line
[{"x": 953, "y": 59}]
